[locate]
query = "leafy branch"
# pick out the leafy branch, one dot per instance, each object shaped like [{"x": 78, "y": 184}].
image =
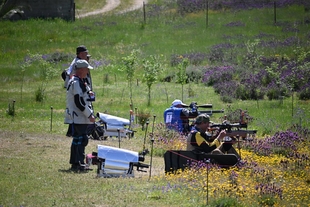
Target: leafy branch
[
  {"x": 181, "y": 74},
  {"x": 151, "y": 71},
  {"x": 129, "y": 67}
]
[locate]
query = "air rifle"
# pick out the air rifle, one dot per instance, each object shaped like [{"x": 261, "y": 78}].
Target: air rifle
[
  {"x": 209, "y": 106},
  {"x": 235, "y": 129},
  {"x": 209, "y": 112},
  {"x": 201, "y": 106}
]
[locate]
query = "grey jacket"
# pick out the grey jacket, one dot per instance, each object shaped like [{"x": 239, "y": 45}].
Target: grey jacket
[
  {"x": 79, "y": 108},
  {"x": 70, "y": 71}
]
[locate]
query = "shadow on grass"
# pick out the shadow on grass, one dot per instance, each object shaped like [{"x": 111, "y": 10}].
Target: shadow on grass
[{"x": 69, "y": 170}]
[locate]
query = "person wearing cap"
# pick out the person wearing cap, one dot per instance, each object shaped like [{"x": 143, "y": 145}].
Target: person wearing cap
[
  {"x": 81, "y": 54},
  {"x": 199, "y": 140},
  {"x": 79, "y": 113},
  {"x": 177, "y": 117}
]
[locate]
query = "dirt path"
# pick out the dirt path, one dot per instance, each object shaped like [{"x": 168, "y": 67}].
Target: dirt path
[{"x": 113, "y": 4}]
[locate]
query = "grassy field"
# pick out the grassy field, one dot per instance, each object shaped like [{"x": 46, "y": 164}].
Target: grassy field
[{"x": 35, "y": 151}]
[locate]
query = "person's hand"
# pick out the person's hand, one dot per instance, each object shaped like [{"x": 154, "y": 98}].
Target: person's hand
[
  {"x": 193, "y": 107},
  {"x": 91, "y": 93},
  {"x": 221, "y": 135},
  {"x": 92, "y": 118}
]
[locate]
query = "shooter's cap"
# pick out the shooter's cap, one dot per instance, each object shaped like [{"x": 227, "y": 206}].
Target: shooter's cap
[
  {"x": 81, "y": 48},
  {"x": 202, "y": 118},
  {"x": 177, "y": 102}
]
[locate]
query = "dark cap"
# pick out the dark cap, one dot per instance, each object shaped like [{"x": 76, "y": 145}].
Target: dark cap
[
  {"x": 202, "y": 118},
  {"x": 81, "y": 48}
]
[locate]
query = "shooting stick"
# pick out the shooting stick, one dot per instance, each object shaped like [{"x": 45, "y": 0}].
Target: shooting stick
[
  {"x": 51, "y": 126},
  {"x": 154, "y": 117},
  {"x": 152, "y": 143},
  {"x": 136, "y": 109},
  {"x": 238, "y": 137},
  {"x": 147, "y": 124},
  {"x": 131, "y": 120},
  {"x": 208, "y": 162},
  {"x": 119, "y": 138}
]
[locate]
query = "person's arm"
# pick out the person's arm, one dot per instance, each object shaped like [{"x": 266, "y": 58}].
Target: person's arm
[
  {"x": 189, "y": 114},
  {"x": 194, "y": 110},
  {"x": 202, "y": 143},
  {"x": 70, "y": 69}
]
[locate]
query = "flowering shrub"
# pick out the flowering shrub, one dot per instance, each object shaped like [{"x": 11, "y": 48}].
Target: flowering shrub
[
  {"x": 195, "y": 58},
  {"x": 221, "y": 52},
  {"x": 304, "y": 92},
  {"x": 218, "y": 74},
  {"x": 279, "y": 77},
  {"x": 226, "y": 90},
  {"x": 190, "y": 6},
  {"x": 166, "y": 139},
  {"x": 281, "y": 143},
  {"x": 274, "y": 91},
  {"x": 235, "y": 116}
]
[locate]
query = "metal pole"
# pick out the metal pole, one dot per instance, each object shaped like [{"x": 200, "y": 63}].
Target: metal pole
[
  {"x": 239, "y": 148},
  {"x": 147, "y": 124},
  {"x": 275, "y": 11},
  {"x": 131, "y": 120},
  {"x": 136, "y": 114},
  {"x": 207, "y": 11},
  {"x": 144, "y": 15},
  {"x": 51, "y": 126},
  {"x": 208, "y": 161},
  {"x": 119, "y": 138},
  {"x": 154, "y": 117},
  {"x": 13, "y": 108},
  {"x": 152, "y": 142}
]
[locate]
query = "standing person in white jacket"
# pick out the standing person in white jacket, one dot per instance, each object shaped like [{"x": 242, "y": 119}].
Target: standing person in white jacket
[
  {"x": 80, "y": 112},
  {"x": 81, "y": 54}
]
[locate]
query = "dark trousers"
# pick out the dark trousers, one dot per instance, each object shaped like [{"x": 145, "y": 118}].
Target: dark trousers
[
  {"x": 69, "y": 131},
  {"x": 79, "y": 142}
]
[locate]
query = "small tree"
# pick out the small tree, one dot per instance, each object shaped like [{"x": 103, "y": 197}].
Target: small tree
[
  {"x": 151, "y": 70},
  {"x": 252, "y": 58},
  {"x": 181, "y": 74},
  {"x": 24, "y": 66},
  {"x": 143, "y": 116},
  {"x": 129, "y": 67}
]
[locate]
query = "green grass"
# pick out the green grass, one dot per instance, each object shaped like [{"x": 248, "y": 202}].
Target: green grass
[
  {"x": 113, "y": 97},
  {"x": 36, "y": 174},
  {"x": 112, "y": 36},
  {"x": 34, "y": 150}
]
